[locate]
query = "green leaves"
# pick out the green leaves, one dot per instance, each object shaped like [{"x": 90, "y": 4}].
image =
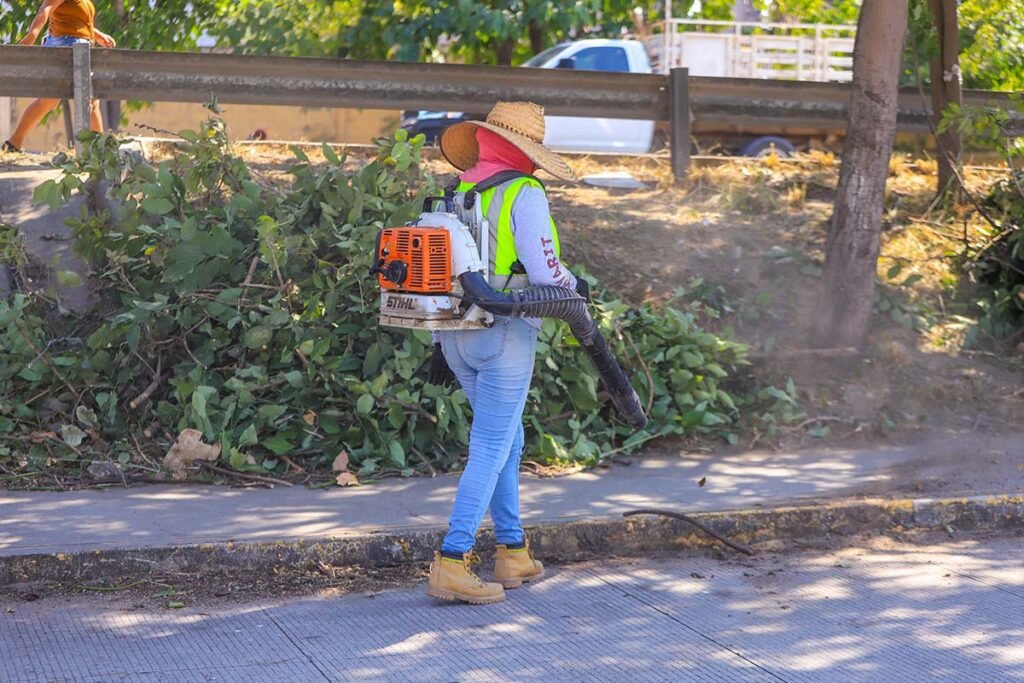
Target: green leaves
[
  {"x": 258, "y": 336},
  {"x": 68, "y": 278},
  {"x": 49, "y": 193},
  {"x": 157, "y": 205},
  {"x": 182, "y": 261},
  {"x": 72, "y": 435},
  {"x": 365, "y": 404},
  {"x": 674, "y": 366},
  {"x": 248, "y": 437},
  {"x": 202, "y": 397},
  {"x": 397, "y": 454}
]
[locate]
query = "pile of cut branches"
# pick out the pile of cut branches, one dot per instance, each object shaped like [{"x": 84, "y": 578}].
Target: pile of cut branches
[{"x": 243, "y": 310}]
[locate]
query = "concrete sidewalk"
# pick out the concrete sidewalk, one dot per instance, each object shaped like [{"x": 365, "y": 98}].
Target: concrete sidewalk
[{"x": 162, "y": 516}]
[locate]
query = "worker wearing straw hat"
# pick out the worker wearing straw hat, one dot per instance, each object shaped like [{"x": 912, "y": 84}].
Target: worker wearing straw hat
[{"x": 494, "y": 365}]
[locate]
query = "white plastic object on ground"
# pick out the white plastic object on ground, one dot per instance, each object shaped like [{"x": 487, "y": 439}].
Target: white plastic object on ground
[{"x": 620, "y": 180}]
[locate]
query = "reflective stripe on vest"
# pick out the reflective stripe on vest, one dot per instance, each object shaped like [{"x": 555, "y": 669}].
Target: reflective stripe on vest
[{"x": 496, "y": 204}]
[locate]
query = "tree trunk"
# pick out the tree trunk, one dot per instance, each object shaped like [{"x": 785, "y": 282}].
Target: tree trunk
[
  {"x": 537, "y": 37},
  {"x": 851, "y": 253},
  {"x": 504, "y": 50},
  {"x": 945, "y": 73}
]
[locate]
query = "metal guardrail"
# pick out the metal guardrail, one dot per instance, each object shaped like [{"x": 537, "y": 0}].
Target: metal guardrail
[
  {"x": 243, "y": 79},
  {"x": 32, "y": 72},
  {"x": 299, "y": 81},
  {"x": 748, "y": 102}
]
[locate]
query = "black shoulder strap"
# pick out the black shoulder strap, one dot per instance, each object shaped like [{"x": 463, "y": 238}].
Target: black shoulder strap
[
  {"x": 497, "y": 179},
  {"x": 502, "y": 177}
]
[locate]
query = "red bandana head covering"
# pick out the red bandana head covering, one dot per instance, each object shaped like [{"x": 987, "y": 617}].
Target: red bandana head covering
[{"x": 496, "y": 154}]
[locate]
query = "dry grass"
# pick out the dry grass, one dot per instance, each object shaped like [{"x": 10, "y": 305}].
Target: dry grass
[{"x": 756, "y": 229}]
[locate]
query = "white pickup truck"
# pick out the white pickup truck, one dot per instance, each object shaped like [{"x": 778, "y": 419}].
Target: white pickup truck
[
  {"x": 707, "y": 48},
  {"x": 585, "y": 134}
]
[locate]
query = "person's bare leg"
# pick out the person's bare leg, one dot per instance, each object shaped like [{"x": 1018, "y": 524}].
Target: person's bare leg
[
  {"x": 30, "y": 118},
  {"x": 97, "y": 117}
]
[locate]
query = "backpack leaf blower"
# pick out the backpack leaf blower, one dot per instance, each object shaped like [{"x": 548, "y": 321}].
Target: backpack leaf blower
[{"x": 433, "y": 276}]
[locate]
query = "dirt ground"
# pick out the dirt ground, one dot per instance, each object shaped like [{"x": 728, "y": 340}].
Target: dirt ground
[
  {"x": 174, "y": 591},
  {"x": 197, "y": 592},
  {"x": 741, "y": 245}
]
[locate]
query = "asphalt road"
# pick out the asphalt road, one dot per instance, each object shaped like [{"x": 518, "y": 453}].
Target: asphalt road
[{"x": 885, "y": 611}]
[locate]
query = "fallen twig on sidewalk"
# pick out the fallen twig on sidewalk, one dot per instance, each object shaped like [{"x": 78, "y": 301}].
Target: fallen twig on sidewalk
[
  {"x": 686, "y": 518},
  {"x": 243, "y": 475}
]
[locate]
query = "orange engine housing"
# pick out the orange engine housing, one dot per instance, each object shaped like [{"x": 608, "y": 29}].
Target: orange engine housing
[{"x": 426, "y": 253}]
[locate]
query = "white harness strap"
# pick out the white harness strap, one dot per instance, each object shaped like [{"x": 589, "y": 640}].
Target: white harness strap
[
  {"x": 500, "y": 282},
  {"x": 488, "y": 225}
]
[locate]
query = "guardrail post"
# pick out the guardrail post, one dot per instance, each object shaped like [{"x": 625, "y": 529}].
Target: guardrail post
[
  {"x": 679, "y": 121},
  {"x": 69, "y": 124},
  {"x": 81, "y": 80},
  {"x": 5, "y": 117}
]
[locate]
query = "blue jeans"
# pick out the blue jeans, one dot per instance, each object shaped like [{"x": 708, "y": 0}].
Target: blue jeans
[
  {"x": 494, "y": 367},
  {"x": 62, "y": 41}
]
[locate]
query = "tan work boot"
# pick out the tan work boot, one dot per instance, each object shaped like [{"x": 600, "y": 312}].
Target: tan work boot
[
  {"x": 452, "y": 579},
  {"x": 514, "y": 567}
]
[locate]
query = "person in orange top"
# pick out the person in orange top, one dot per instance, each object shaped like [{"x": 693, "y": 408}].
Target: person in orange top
[{"x": 71, "y": 21}]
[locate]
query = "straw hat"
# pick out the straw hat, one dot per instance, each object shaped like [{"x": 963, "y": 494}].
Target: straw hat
[{"x": 521, "y": 123}]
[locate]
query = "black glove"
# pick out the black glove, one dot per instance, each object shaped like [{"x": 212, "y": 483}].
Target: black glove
[
  {"x": 438, "y": 371},
  {"x": 583, "y": 288}
]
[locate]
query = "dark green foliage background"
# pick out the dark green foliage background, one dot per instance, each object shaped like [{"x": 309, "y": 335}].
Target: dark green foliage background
[
  {"x": 997, "y": 262},
  {"x": 1000, "y": 264}
]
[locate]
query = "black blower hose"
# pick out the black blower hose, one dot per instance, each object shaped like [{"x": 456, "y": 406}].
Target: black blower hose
[{"x": 558, "y": 302}]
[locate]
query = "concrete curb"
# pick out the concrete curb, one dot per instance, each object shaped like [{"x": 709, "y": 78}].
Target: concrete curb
[{"x": 562, "y": 541}]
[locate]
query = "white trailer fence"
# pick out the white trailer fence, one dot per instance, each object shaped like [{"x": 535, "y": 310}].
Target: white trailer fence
[{"x": 729, "y": 49}]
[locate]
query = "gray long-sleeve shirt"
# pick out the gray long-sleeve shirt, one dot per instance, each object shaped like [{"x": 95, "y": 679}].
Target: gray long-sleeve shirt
[{"x": 535, "y": 246}]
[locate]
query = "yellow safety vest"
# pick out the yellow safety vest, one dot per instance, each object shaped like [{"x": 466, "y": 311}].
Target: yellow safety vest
[{"x": 496, "y": 205}]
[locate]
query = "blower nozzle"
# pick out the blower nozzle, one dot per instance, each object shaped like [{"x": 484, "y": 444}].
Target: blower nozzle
[{"x": 542, "y": 301}]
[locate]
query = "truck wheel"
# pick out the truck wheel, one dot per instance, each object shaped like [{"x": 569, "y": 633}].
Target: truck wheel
[{"x": 764, "y": 146}]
